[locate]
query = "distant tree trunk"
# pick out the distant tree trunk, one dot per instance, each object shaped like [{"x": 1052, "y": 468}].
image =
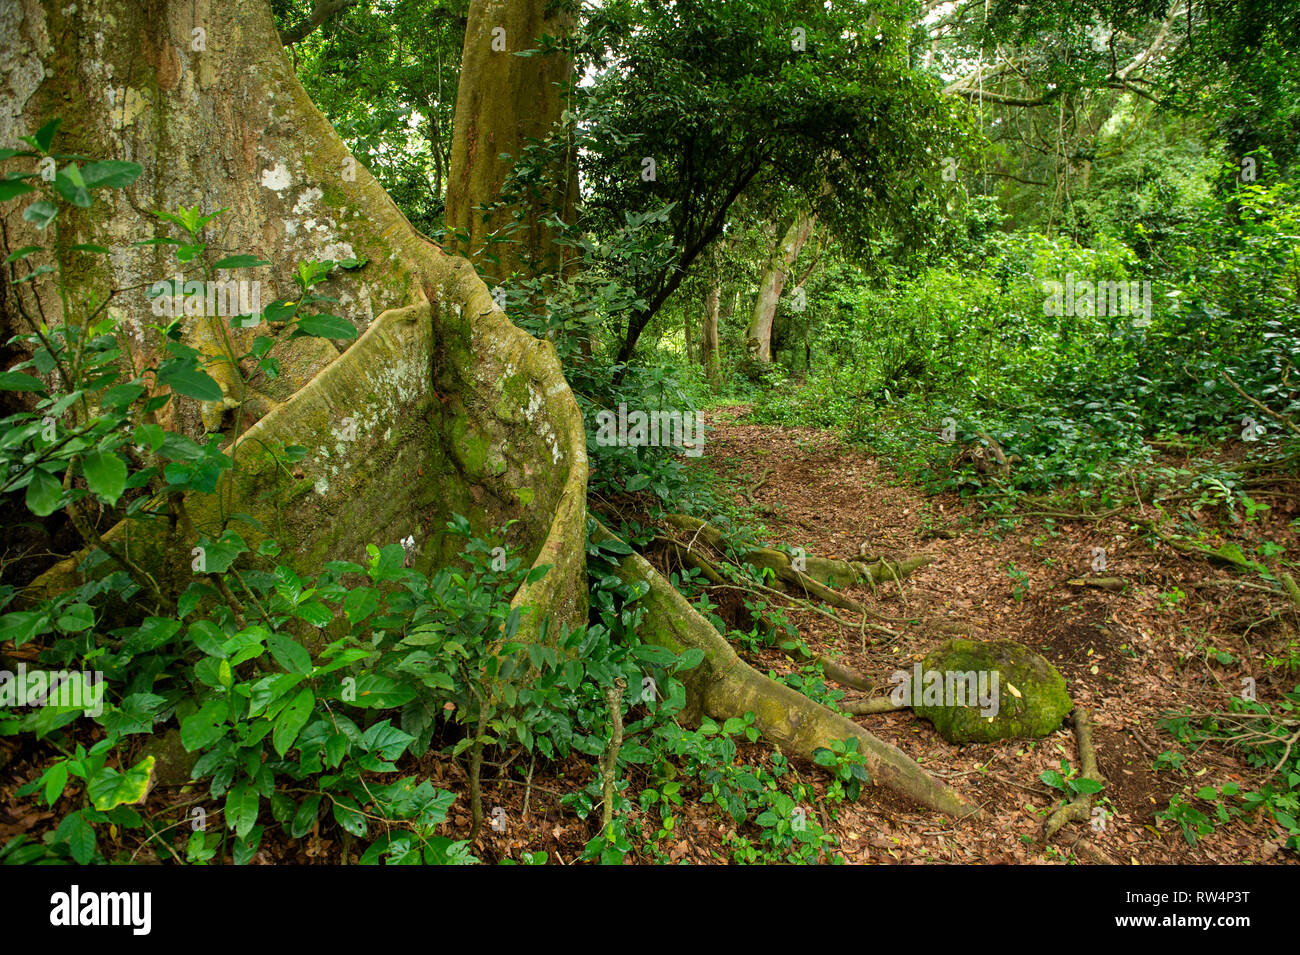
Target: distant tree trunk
[
  {"x": 758, "y": 342},
  {"x": 688, "y": 333},
  {"x": 503, "y": 101},
  {"x": 709, "y": 357}
]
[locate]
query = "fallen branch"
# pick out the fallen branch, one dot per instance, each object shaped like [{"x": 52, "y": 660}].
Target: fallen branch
[
  {"x": 1281, "y": 419},
  {"x": 1219, "y": 557}
]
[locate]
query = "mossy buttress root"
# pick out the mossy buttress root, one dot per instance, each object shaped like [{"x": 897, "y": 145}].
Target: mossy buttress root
[{"x": 724, "y": 686}]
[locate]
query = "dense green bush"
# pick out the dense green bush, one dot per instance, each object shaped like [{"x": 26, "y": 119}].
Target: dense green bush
[{"x": 1074, "y": 396}]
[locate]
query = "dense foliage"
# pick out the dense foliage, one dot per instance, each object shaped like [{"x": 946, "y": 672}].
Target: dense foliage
[{"x": 1051, "y": 242}]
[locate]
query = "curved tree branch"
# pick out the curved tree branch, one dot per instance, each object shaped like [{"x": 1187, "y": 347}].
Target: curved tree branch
[{"x": 321, "y": 11}]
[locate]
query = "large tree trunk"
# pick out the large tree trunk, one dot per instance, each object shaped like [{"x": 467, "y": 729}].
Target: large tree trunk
[
  {"x": 758, "y": 342},
  {"x": 441, "y": 406},
  {"x": 504, "y": 100}
]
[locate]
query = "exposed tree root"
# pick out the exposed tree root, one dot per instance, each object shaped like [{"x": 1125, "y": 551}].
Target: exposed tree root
[
  {"x": 1071, "y": 515},
  {"x": 758, "y": 486},
  {"x": 816, "y": 575},
  {"x": 1288, "y": 582},
  {"x": 694, "y": 558},
  {"x": 1220, "y": 557},
  {"x": 723, "y": 686},
  {"x": 691, "y": 555},
  {"x": 609, "y": 762},
  {"x": 1087, "y": 850},
  {"x": 1104, "y": 583},
  {"x": 845, "y": 676},
  {"x": 1078, "y": 809},
  {"x": 877, "y": 704}
]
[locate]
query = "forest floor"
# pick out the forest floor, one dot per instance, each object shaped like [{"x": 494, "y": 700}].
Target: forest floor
[
  {"x": 1130, "y": 656},
  {"x": 1182, "y": 633}
]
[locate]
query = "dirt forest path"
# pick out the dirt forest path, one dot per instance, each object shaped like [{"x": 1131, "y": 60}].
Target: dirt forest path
[{"x": 1129, "y": 656}]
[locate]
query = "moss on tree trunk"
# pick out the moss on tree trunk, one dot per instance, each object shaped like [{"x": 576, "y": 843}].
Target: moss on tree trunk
[
  {"x": 441, "y": 406},
  {"x": 503, "y": 101}
]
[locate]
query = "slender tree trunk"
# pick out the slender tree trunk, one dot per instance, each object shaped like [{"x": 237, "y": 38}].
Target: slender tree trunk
[
  {"x": 758, "y": 342},
  {"x": 688, "y": 335},
  {"x": 503, "y": 101},
  {"x": 709, "y": 352}
]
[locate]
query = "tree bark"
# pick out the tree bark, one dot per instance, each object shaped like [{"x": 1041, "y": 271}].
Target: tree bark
[
  {"x": 321, "y": 11},
  {"x": 758, "y": 342},
  {"x": 441, "y": 406},
  {"x": 503, "y": 101},
  {"x": 709, "y": 354}
]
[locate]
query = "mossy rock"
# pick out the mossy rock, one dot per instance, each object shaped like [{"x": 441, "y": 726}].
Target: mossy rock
[
  {"x": 173, "y": 765},
  {"x": 1030, "y": 696}
]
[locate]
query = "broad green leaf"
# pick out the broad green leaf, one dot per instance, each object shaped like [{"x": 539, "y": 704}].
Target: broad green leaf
[
  {"x": 109, "y": 788},
  {"x": 245, "y": 848},
  {"x": 13, "y": 188},
  {"x": 105, "y": 474},
  {"x": 313, "y": 611},
  {"x": 292, "y": 719},
  {"x": 325, "y": 326},
  {"x": 76, "y": 617},
  {"x": 79, "y": 835},
  {"x": 200, "y": 730},
  {"x": 133, "y": 715},
  {"x": 110, "y": 173},
  {"x": 305, "y": 818},
  {"x": 241, "y": 262},
  {"x": 289, "y": 653},
  {"x": 69, "y": 184},
  {"x": 40, "y": 213},
  {"x": 23, "y": 626},
  {"x": 22, "y": 253},
  {"x": 56, "y": 779},
  {"x": 43, "y": 138},
  {"x": 280, "y": 311},
  {"x": 17, "y": 381},
  {"x": 381, "y": 692},
  {"x": 389, "y": 741},
  {"x": 191, "y": 382},
  {"x": 360, "y": 603},
  {"x": 149, "y": 436},
  {"x": 350, "y": 819},
  {"x": 241, "y": 807},
  {"x": 43, "y": 493}
]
